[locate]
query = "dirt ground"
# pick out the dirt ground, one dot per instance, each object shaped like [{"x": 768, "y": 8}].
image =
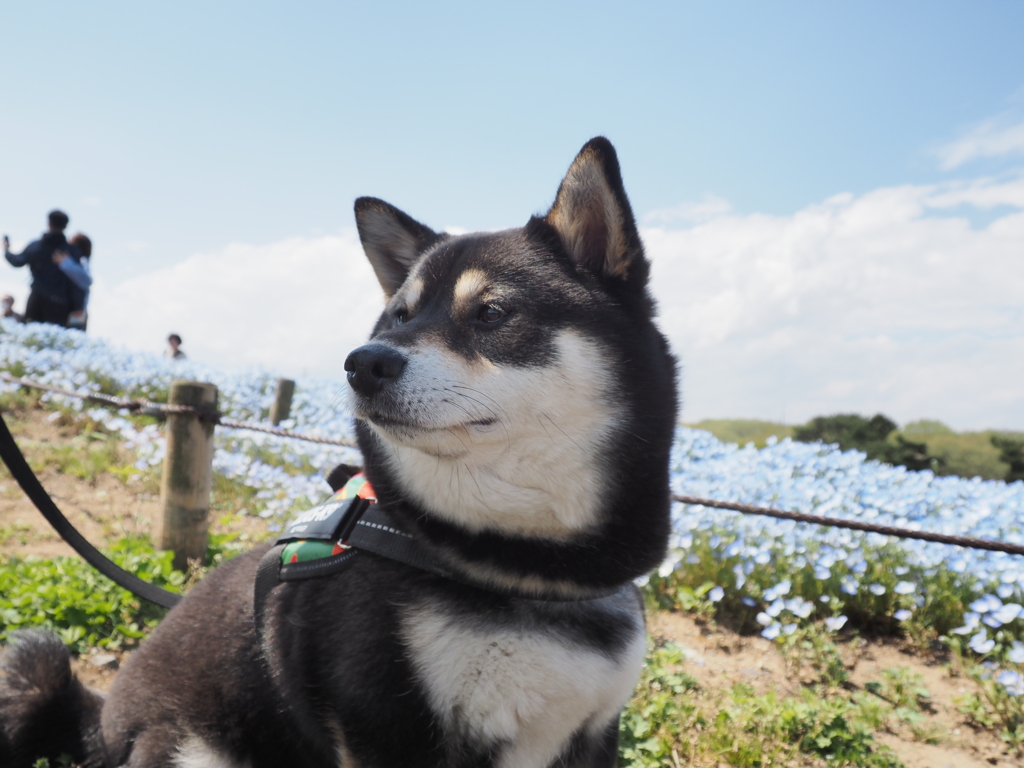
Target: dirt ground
[
  {"x": 103, "y": 508},
  {"x": 107, "y": 508},
  {"x": 719, "y": 658}
]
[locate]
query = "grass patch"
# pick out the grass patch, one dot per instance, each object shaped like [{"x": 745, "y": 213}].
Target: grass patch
[
  {"x": 969, "y": 454},
  {"x": 743, "y": 431},
  {"x": 997, "y": 701},
  {"x": 68, "y": 596},
  {"x": 671, "y": 721},
  {"x": 20, "y": 533},
  {"x": 86, "y": 456}
]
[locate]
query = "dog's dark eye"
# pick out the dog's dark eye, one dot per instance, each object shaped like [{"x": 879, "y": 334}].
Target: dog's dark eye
[
  {"x": 490, "y": 313},
  {"x": 401, "y": 316}
]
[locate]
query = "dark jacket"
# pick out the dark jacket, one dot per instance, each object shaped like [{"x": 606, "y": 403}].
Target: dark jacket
[{"x": 47, "y": 279}]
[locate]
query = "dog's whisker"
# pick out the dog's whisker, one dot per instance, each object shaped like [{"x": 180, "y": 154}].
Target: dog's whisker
[
  {"x": 482, "y": 394},
  {"x": 568, "y": 437}
]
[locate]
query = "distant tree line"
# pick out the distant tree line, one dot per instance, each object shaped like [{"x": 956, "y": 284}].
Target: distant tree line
[
  {"x": 851, "y": 430},
  {"x": 872, "y": 436},
  {"x": 1011, "y": 451},
  {"x": 988, "y": 454}
]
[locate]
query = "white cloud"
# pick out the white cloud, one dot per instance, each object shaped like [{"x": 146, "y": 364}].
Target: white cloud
[
  {"x": 993, "y": 138},
  {"x": 879, "y": 302},
  {"x": 296, "y": 307},
  {"x": 690, "y": 212},
  {"x": 882, "y": 302}
]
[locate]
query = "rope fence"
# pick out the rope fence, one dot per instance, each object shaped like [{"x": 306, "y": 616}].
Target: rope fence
[
  {"x": 215, "y": 417},
  {"x": 150, "y": 408},
  {"x": 856, "y": 525}
]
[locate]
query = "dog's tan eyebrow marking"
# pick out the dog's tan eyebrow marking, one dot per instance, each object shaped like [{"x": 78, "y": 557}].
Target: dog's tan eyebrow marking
[
  {"x": 412, "y": 292},
  {"x": 468, "y": 288}
]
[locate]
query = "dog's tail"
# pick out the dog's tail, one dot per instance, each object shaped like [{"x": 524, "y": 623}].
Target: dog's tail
[{"x": 45, "y": 710}]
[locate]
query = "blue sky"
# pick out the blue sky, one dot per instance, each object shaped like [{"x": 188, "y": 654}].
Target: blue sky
[{"x": 176, "y": 130}]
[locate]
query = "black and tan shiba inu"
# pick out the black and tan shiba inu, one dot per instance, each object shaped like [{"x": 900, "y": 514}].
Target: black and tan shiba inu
[{"x": 515, "y": 407}]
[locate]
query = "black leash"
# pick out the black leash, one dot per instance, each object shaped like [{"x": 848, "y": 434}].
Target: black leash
[{"x": 22, "y": 472}]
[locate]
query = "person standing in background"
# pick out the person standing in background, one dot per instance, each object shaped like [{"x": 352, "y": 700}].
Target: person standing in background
[
  {"x": 173, "y": 350},
  {"x": 7, "y": 308},
  {"x": 80, "y": 275},
  {"x": 51, "y": 294}
]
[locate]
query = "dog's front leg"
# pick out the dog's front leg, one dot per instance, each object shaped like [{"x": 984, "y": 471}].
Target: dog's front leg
[
  {"x": 156, "y": 747},
  {"x": 600, "y": 750}
]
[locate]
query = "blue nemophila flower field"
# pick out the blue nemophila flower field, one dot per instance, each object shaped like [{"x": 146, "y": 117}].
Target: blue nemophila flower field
[
  {"x": 776, "y": 574},
  {"x": 287, "y": 473},
  {"x": 767, "y": 575}
]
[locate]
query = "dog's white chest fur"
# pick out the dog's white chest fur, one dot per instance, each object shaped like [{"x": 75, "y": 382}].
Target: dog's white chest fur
[{"x": 524, "y": 689}]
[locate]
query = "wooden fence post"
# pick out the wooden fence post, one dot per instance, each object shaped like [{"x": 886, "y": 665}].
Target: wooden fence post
[
  {"x": 188, "y": 474},
  {"x": 282, "y": 406}
]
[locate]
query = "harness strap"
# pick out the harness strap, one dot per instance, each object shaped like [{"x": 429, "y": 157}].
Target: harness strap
[
  {"x": 266, "y": 579},
  {"x": 361, "y": 526},
  {"x": 375, "y": 532},
  {"x": 22, "y": 472}
]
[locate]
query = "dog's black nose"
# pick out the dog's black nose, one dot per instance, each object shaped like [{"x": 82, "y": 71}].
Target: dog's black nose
[{"x": 372, "y": 366}]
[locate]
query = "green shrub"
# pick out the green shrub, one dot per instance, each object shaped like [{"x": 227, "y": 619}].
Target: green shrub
[
  {"x": 85, "y": 608},
  {"x": 69, "y": 596},
  {"x": 1011, "y": 452}
]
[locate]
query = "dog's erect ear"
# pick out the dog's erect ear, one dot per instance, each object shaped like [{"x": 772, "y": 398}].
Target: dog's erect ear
[
  {"x": 392, "y": 240},
  {"x": 592, "y": 214}
]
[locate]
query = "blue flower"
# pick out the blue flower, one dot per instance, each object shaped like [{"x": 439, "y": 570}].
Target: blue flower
[
  {"x": 716, "y": 594},
  {"x": 904, "y": 588},
  {"x": 971, "y": 621},
  {"x": 1008, "y": 612},
  {"x": 902, "y": 614},
  {"x": 771, "y": 632},
  {"x": 835, "y": 623},
  {"x": 741, "y": 578},
  {"x": 1008, "y": 677},
  {"x": 1012, "y": 681},
  {"x": 981, "y": 643},
  {"x": 799, "y": 607},
  {"x": 1016, "y": 654},
  {"x": 986, "y": 604},
  {"x": 876, "y": 589}
]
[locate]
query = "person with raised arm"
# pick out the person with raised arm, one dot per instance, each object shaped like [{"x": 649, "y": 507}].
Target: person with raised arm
[{"x": 51, "y": 296}]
